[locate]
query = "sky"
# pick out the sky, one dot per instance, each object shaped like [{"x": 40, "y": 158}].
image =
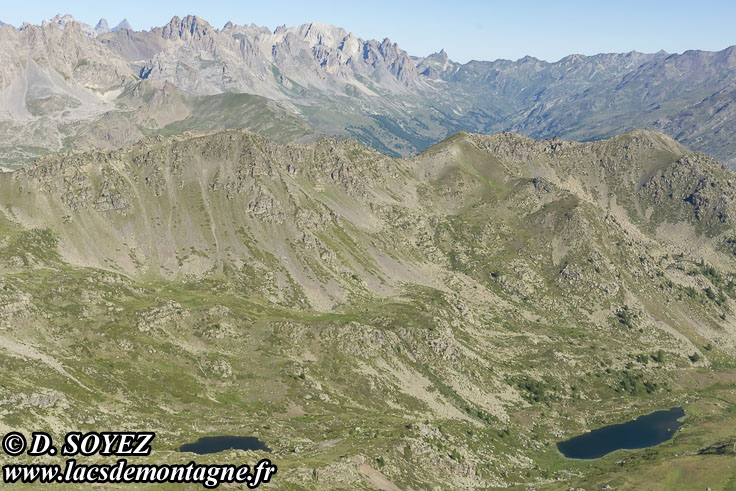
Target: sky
[{"x": 480, "y": 30}]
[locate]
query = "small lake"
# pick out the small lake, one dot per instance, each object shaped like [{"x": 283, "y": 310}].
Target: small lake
[
  {"x": 645, "y": 431},
  {"x": 214, "y": 444}
]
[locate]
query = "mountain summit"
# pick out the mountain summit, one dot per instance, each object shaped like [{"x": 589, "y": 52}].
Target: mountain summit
[
  {"x": 123, "y": 25},
  {"x": 102, "y": 27},
  {"x": 63, "y": 20}
]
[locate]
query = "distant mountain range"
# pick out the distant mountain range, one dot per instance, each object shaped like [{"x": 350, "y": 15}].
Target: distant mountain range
[
  {"x": 100, "y": 28},
  {"x": 69, "y": 86}
]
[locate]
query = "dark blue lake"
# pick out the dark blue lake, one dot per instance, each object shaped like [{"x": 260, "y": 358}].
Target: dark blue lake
[
  {"x": 645, "y": 431},
  {"x": 214, "y": 444}
]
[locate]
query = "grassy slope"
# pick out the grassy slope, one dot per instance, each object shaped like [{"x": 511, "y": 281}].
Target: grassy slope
[{"x": 309, "y": 295}]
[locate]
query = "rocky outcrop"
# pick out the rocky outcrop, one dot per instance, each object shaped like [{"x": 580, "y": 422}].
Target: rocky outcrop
[{"x": 239, "y": 58}]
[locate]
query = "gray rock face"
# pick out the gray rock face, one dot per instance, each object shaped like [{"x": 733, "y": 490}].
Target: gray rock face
[
  {"x": 243, "y": 58},
  {"x": 63, "y": 20},
  {"x": 437, "y": 65},
  {"x": 51, "y": 77},
  {"x": 102, "y": 27},
  {"x": 123, "y": 25}
]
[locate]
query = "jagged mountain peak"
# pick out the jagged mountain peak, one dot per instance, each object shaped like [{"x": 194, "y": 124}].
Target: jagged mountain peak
[
  {"x": 123, "y": 25},
  {"x": 58, "y": 19},
  {"x": 317, "y": 55},
  {"x": 322, "y": 28},
  {"x": 573, "y": 58},
  {"x": 436, "y": 65},
  {"x": 102, "y": 26},
  {"x": 188, "y": 22},
  {"x": 187, "y": 28},
  {"x": 315, "y": 33},
  {"x": 529, "y": 59},
  {"x": 62, "y": 21},
  {"x": 440, "y": 55}
]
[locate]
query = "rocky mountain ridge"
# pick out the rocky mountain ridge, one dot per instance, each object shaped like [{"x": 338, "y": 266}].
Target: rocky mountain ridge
[
  {"x": 371, "y": 90},
  {"x": 100, "y": 28},
  {"x": 241, "y": 59},
  {"x": 674, "y": 186},
  {"x": 444, "y": 318}
]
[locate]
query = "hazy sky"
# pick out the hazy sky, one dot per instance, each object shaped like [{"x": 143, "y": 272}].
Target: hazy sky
[{"x": 482, "y": 30}]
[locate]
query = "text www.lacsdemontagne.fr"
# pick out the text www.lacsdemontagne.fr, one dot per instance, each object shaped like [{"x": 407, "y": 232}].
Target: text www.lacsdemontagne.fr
[{"x": 209, "y": 476}]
